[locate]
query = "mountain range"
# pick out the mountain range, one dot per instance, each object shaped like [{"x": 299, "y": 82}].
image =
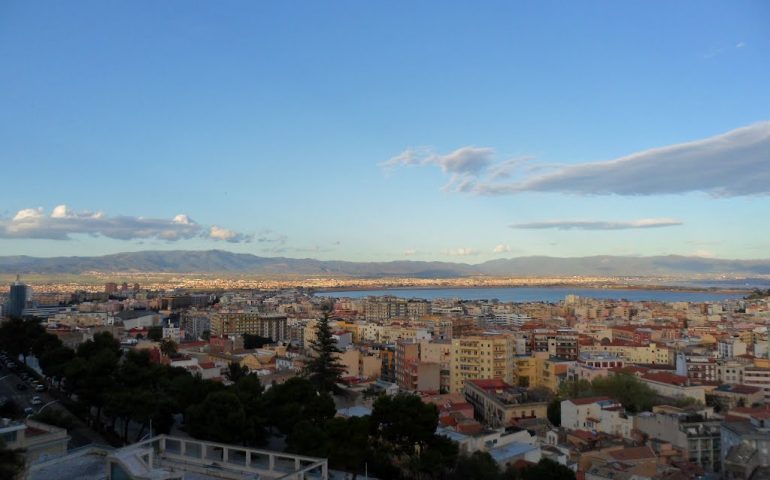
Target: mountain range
[{"x": 219, "y": 261}]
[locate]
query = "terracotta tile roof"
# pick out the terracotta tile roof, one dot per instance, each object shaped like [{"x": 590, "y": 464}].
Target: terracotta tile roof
[
  {"x": 633, "y": 453},
  {"x": 668, "y": 378}
]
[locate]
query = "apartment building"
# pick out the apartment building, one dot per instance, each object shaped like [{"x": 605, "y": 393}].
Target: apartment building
[
  {"x": 238, "y": 323},
  {"x": 498, "y": 404},
  {"x": 488, "y": 356}
]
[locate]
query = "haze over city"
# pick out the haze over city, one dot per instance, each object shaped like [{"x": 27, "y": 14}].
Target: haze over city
[{"x": 375, "y": 132}]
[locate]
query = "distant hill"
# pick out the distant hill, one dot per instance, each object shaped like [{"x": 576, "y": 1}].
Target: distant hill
[{"x": 218, "y": 261}]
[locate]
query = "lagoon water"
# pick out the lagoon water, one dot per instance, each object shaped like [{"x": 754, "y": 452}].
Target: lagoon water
[{"x": 539, "y": 294}]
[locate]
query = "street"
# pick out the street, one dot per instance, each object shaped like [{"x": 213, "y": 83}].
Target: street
[{"x": 10, "y": 379}]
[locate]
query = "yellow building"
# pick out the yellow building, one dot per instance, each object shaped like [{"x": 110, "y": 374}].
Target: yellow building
[{"x": 481, "y": 357}]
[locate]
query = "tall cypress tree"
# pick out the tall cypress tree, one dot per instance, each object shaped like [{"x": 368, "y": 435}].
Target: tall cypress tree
[{"x": 324, "y": 369}]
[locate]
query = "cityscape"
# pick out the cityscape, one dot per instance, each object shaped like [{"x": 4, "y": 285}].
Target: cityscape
[{"x": 406, "y": 240}]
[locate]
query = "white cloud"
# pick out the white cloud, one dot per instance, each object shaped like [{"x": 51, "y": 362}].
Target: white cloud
[
  {"x": 410, "y": 252},
  {"x": 501, "y": 248},
  {"x": 462, "y": 165},
  {"x": 599, "y": 224},
  {"x": 227, "y": 235},
  {"x": 462, "y": 252},
  {"x": 731, "y": 164},
  {"x": 63, "y": 222}
]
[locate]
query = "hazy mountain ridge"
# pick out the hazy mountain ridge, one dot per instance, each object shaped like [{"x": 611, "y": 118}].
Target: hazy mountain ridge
[{"x": 218, "y": 261}]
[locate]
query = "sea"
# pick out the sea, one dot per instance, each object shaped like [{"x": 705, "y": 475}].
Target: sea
[{"x": 541, "y": 294}]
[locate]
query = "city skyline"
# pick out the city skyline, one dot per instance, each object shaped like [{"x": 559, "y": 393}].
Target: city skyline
[{"x": 386, "y": 132}]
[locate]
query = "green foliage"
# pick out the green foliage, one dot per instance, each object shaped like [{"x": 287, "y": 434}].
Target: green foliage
[
  {"x": 554, "y": 412},
  {"x": 575, "y": 389},
  {"x": 155, "y": 333},
  {"x": 324, "y": 369},
  {"x": 219, "y": 418},
  {"x": 477, "y": 466},
  {"x": 404, "y": 422},
  {"x": 544, "y": 469},
  {"x": 236, "y": 371},
  {"x": 17, "y": 336},
  {"x": 295, "y": 400},
  {"x": 168, "y": 347},
  {"x": 631, "y": 392}
]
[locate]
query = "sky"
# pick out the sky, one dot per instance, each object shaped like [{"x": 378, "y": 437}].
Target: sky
[{"x": 372, "y": 131}]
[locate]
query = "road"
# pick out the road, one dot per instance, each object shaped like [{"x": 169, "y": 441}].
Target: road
[{"x": 80, "y": 435}]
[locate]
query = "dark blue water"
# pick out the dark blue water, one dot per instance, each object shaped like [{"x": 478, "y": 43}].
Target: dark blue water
[{"x": 538, "y": 294}]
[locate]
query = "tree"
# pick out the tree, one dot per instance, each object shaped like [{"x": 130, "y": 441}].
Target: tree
[
  {"x": 631, "y": 392},
  {"x": 18, "y": 336},
  {"x": 554, "y": 412},
  {"x": 545, "y": 468},
  {"x": 168, "y": 347},
  {"x": 349, "y": 445},
  {"x": 404, "y": 422},
  {"x": 236, "y": 371},
  {"x": 155, "y": 333},
  {"x": 324, "y": 369},
  {"x": 220, "y": 418},
  {"x": 477, "y": 466},
  {"x": 295, "y": 400}
]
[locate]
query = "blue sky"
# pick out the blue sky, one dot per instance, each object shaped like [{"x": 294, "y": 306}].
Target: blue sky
[{"x": 459, "y": 131}]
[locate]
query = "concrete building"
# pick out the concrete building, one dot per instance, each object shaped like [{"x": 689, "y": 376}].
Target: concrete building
[
  {"x": 488, "y": 356},
  {"x": 498, "y": 404},
  {"x": 238, "y": 323},
  {"x": 38, "y": 440},
  {"x": 600, "y": 414},
  {"x": 693, "y": 432}
]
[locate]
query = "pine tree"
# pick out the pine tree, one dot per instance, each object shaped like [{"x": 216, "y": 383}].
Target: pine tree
[{"x": 324, "y": 369}]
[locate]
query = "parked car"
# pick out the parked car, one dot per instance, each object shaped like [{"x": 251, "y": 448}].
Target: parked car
[
  {"x": 36, "y": 400},
  {"x": 11, "y": 365},
  {"x": 40, "y": 388},
  {"x": 29, "y": 411}
]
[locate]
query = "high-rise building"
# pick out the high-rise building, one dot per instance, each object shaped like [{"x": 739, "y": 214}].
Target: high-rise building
[{"x": 18, "y": 298}]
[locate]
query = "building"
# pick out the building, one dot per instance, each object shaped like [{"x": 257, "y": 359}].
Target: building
[
  {"x": 745, "y": 447},
  {"x": 173, "y": 458},
  {"x": 693, "y": 432},
  {"x": 238, "y": 323},
  {"x": 498, "y": 404},
  {"x": 488, "y": 356},
  {"x": 19, "y": 298},
  {"x": 38, "y": 440},
  {"x": 674, "y": 386},
  {"x": 600, "y": 414}
]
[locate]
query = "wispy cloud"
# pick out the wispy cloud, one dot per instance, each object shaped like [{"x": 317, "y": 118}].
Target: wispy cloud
[
  {"x": 717, "y": 51},
  {"x": 409, "y": 252},
  {"x": 731, "y": 164},
  {"x": 62, "y": 223},
  {"x": 462, "y": 252},
  {"x": 599, "y": 225},
  {"x": 736, "y": 163}
]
